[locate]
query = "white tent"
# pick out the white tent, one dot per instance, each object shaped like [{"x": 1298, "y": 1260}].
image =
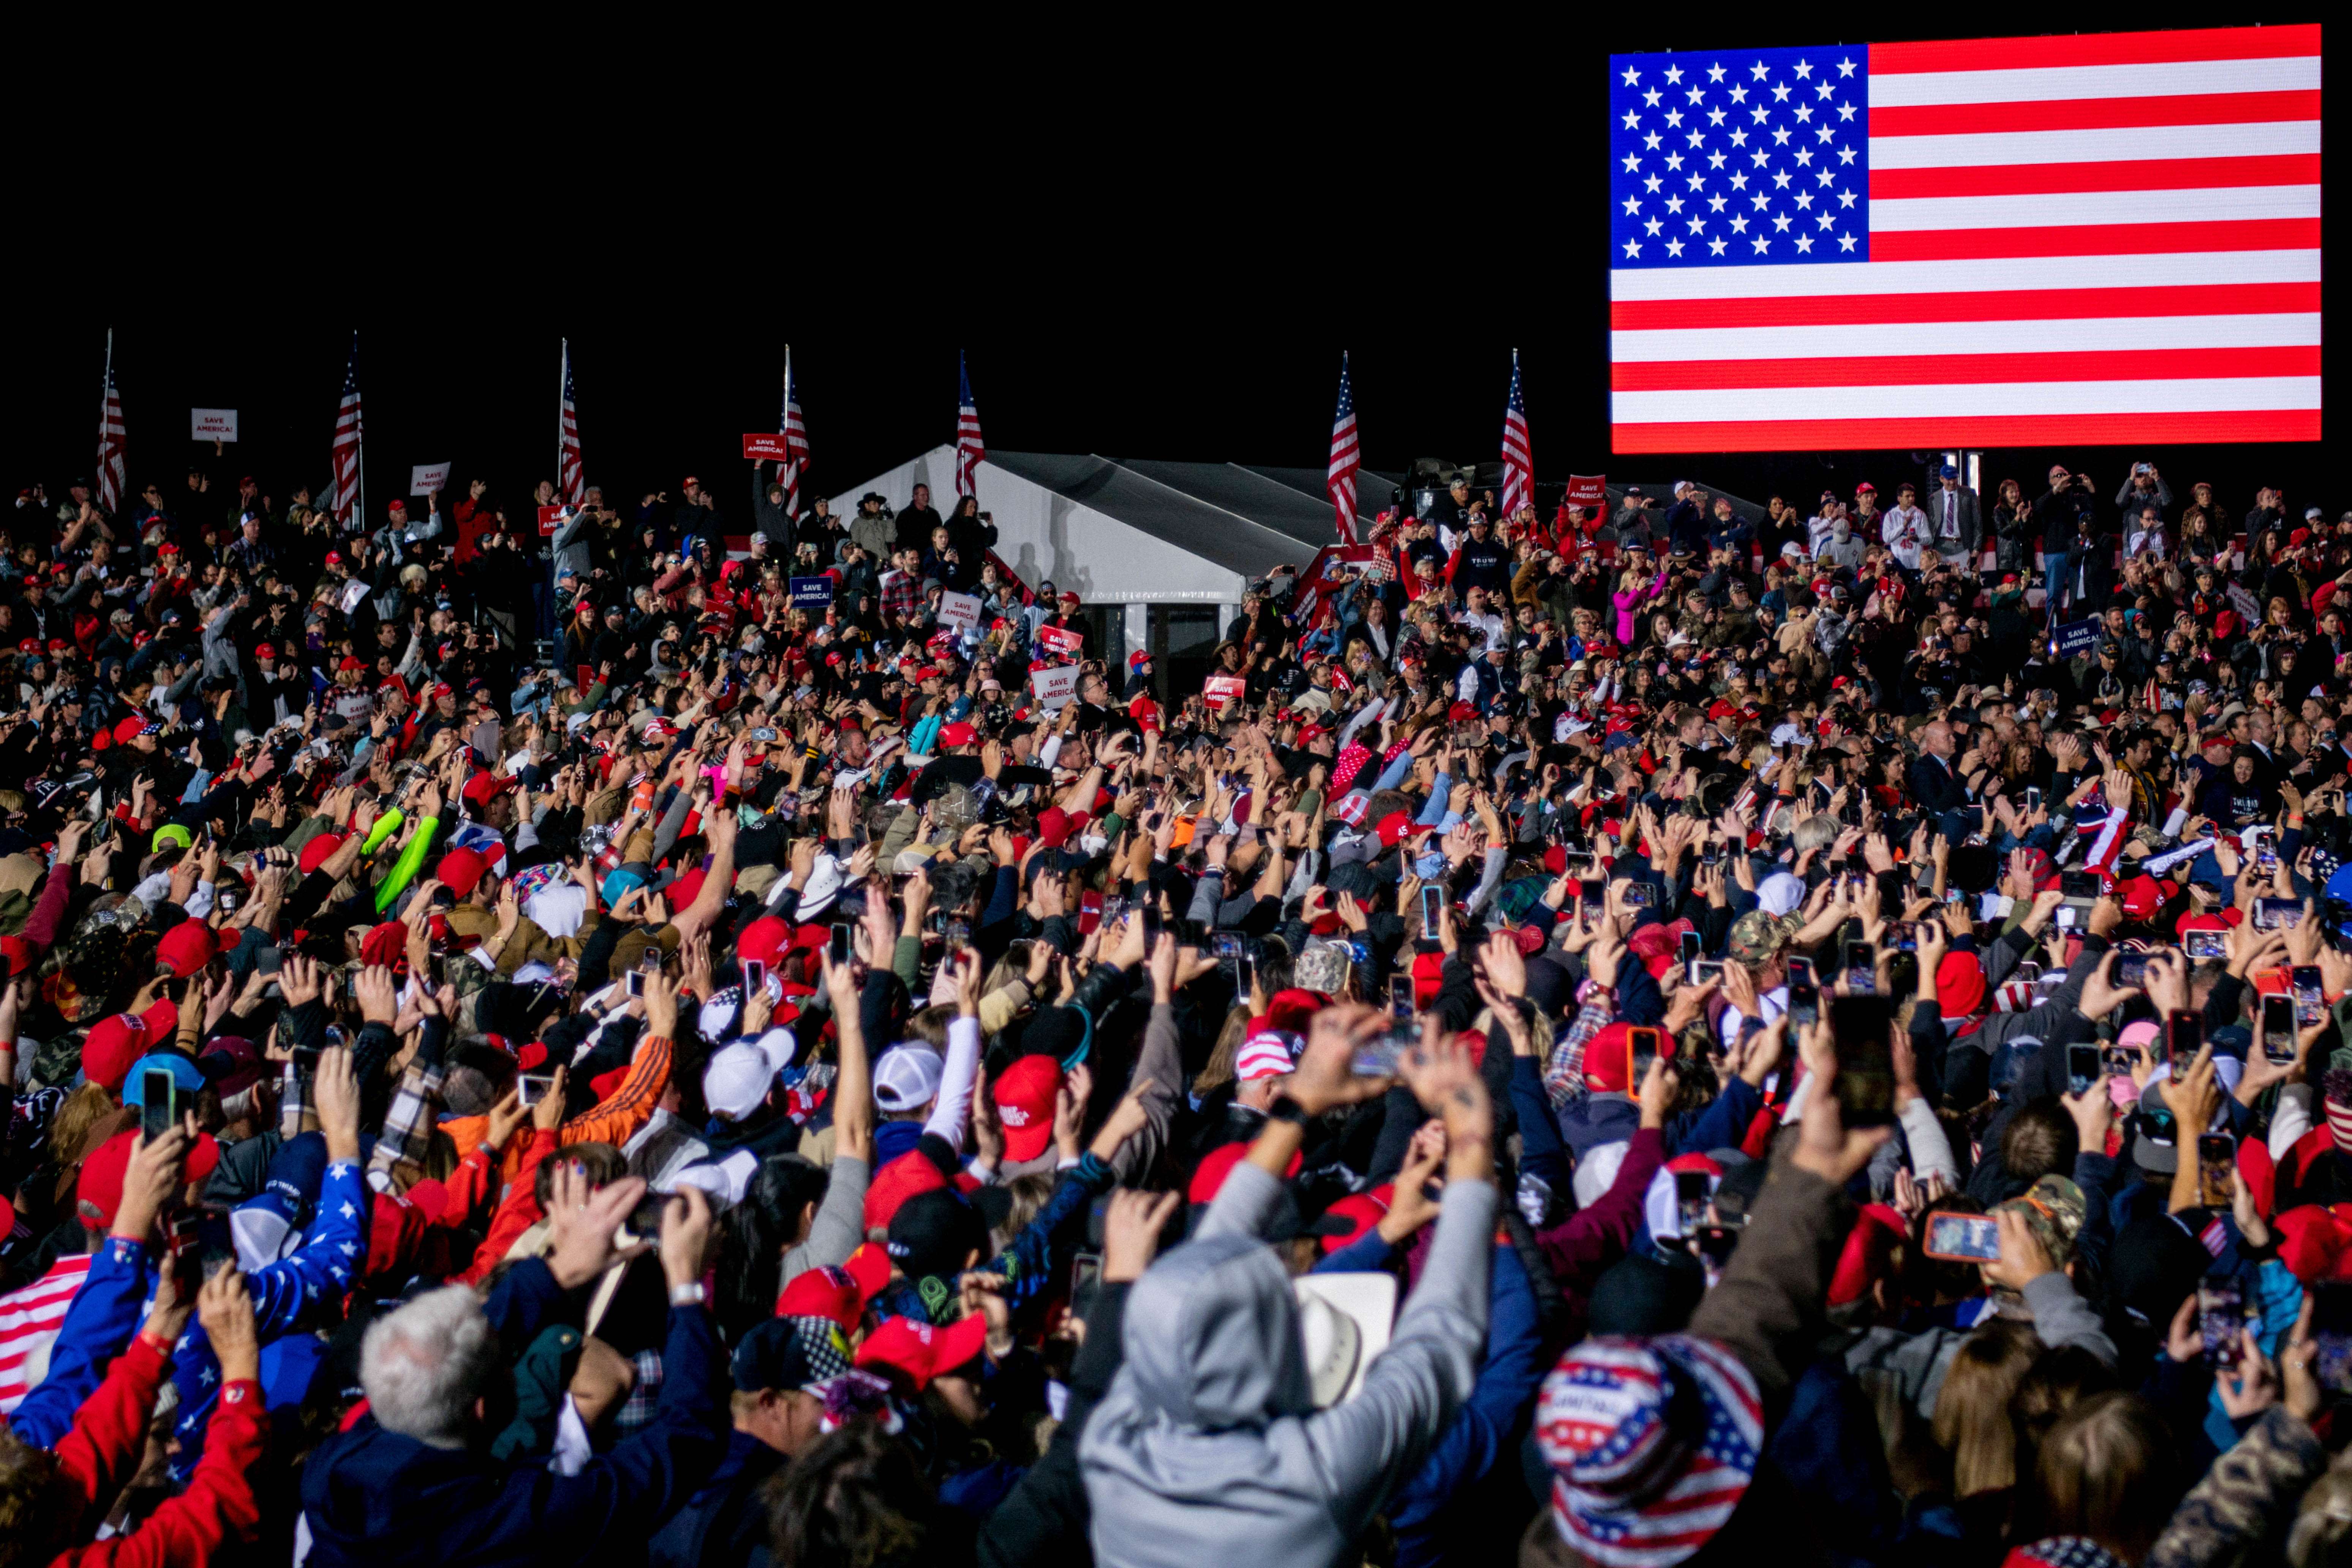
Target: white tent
[{"x": 1189, "y": 537}]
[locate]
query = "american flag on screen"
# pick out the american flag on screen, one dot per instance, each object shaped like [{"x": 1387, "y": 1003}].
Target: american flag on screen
[
  {"x": 969, "y": 449},
  {"x": 796, "y": 447},
  {"x": 2098, "y": 238},
  {"x": 111, "y": 440},
  {"x": 569, "y": 484},
  {"x": 1519, "y": 468},
  {"x": 1339, "y": 480},
  {"x": 347, "y": 440}
]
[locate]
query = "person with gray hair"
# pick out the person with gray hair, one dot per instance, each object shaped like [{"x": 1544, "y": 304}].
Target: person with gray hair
[{"x": 406, "y": 1484}]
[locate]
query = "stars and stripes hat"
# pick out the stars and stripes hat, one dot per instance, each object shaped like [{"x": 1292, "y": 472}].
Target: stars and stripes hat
[
  {"x": 1267, "y": 1053},
  {"x": 1651, "y": 1444}
]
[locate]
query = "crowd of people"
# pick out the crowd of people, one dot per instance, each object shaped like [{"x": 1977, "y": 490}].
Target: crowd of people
[{"x": 1633, "y": 1037}]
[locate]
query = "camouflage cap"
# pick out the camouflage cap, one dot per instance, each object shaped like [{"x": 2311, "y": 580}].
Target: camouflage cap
[
  {"x": 2052, "y": 1208},
  {"x": 1756, "y": 935}
]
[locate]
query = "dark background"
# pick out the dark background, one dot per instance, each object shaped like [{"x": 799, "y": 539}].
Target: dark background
[{"x": 1159, "y": 260}]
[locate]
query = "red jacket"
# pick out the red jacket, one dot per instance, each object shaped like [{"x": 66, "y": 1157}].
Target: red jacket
[{"x": 109, "y": 1440}]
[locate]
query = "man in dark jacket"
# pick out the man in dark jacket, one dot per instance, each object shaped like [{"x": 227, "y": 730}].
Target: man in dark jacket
[
  {"x": 2065, "y": 510},
  {"x": 769, "y": 513},
  {"x": 915, "y": 523},
  {"x": 1481, "y": 560},
  {"x": 778, "y": 1368},
  {"x": 407, "y": 1485}
]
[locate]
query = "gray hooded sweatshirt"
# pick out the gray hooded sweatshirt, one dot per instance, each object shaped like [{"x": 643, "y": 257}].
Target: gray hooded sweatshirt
[{"x": 1208, "y": 1450}]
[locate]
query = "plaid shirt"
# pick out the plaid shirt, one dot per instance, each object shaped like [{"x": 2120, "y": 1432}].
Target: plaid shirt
[
  {"x": 1563, "y": 1078},
  {"x": 644, "y": 1402},
  {"x": 398, "y": 1160},
  {"x": 902, "y": 595}
]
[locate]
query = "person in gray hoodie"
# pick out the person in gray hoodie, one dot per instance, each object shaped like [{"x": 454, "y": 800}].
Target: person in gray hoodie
[{"x": 1208, "y": 1446}]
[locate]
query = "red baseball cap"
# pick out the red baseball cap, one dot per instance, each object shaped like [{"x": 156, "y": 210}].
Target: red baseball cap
[
  {"x": 1024, "y": 1094},
  {"x": 764, "y": 940},
  {"x": 1209, "y": 1177},
  {"x": 186, "y": 948},
  {"x": 956, "y": 734},
  {"x": 893, "y": 1183},
  {"x": 838, "y": 1294},
  {"x": 920, "y": 1352},
  {"x": 321, "y": 850},
  {"x": 484, "y": 788},
  {"x": 114, "y": 1042},
  {"x": 461, "y": 871}
]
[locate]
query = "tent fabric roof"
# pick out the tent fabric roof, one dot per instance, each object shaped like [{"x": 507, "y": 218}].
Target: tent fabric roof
[{"x": 1251, "y": 533}]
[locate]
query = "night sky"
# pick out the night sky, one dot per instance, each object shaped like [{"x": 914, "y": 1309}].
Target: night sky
[{"x": 1176, "y": 283}]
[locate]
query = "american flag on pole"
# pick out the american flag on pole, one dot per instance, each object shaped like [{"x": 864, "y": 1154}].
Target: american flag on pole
[
  {"x": 347, "y": 440},
  {"x": 1518, "y": 466},
  {"x": 2096, "y": 239},
  {"x": 112, "y": 441},
  {"x": 969, "y": 449},
  {"x": 569, "y": 484},
  {"x": 1340, "y": 480},
  {"x": 795, "y": 435}
]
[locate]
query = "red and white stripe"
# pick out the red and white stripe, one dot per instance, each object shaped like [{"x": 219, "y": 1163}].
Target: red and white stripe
[
  {"x": 346, "y": 495},
  {"x": 570, "y": 481},
  {"x": 969, "y": 449},
  {"x": 796, "y": 447},
  {"x": 29, "y": 1326},
  {"x": 1339, "y": 479},
  {"x": 1518, "y": 465},
  {"x": 2090, "y": 239},
  {"x": 111, "y": 440}
]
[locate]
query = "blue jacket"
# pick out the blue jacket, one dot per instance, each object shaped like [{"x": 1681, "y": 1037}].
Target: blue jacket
[
  {"x": 375, "y": 1498},
  {"x": 1488, "y": 1426},
  {"x": 94, "y": 1331},
  {"x": 321, "y": 1268}
]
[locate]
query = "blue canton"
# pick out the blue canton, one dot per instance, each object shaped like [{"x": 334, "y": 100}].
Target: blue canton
[{"x": 1743, "y": 157}]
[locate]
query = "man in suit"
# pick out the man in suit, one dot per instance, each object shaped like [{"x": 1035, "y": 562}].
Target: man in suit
[
  {"x": 1952, "y": 521},
  {"x": 1936, "y": 783}
]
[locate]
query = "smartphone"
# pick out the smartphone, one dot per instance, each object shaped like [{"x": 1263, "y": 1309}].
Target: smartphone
[
  {"x": 2222, "y": 1324},
  {"x": 1641, "y": 895},
  {"x": 2079, "y": 884},
  {"x": 1715, "y": 1244},
  {"x": 2278, "y": 1028},
  {"x": 1861, "y": 968},
  {"x": 2204, "y": 945},
  {"x": 2216, "y": 1159},
  {"x": 183, "y": 1249},
  {"x": 1114, "y": 909},
  {"x": 2033, "y": 798},
  {"x": 531, "y": 1088},
  {"x": 1401, "y": 1006},
  {"x": 839, "y": 948},
  {"x": 634, "y": 983},
  {"x": 1433, "y": 909},
  {"x": 1151, "y": 922},
  {"x": 1377, "y": 1057},
  {"x": 2184, "y": 1036},
  {"x": 1865, "y": 1081},
  {"x": 2116, "y": 1061},
  {"x": 1805, "y": 997},
  {"x": 1963, "y": 1238},
  {"x": 229, "y": 901},
  {"x": 1689, "y": 949},
  {"x": 1705, "y": 971},
  {"x": 1906, "y": 936},
  {"x": 755, "y": 976},
  {"x": 159, "y": 1102},
  {"x": 2310, "y": 993},
  {"x": 2131, "y": 970},
  {"x": 2084, "y": 1068},
  {"x": 2272, "y": 914},
  {"x": 644, "y": 1220},
  {"x": 1086, "y": 1267},
  {"x": 1642, "y": 1046},
  {"x": 2331, "y": 1333},
  {"x": 1690, "y": 1200}
]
